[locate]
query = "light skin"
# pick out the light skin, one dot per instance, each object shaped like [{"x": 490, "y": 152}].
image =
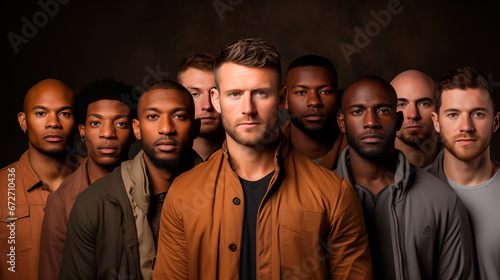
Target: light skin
[
  {"x": 370, "y": 120},
  {"x": 167, "y": 127},
  {"x": 199, "y": 83},
  {"x": 417, "y": 138},
  {"x": 313, "y": 102},
  {"x": 466, "y": 123},
  {"x": 48, "y": 121},
  {"x": 249, "y": 100},
  {"x": 108, "y": 135}
]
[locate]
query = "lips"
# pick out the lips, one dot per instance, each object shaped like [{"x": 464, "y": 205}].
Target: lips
[
  {"x": 107, "y": 149},
  {"x": 166, "y": 145},
  {"x": 249, "y": 124},
  {"x": 466, "y": 141},
  {"x": 371, "y": 138},
  {"x": 413, "y": 127},
  {"x": 313, "y": 116},
  {"x": 53, "y": 137}
]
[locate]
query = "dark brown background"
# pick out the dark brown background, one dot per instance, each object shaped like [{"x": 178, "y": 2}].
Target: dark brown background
[{"x": 86, "y": 40}]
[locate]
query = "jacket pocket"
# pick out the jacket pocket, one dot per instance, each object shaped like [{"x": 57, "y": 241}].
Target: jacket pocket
[
  {"x": 15, "y": 230},
  {"x": 303, "y": 249}
]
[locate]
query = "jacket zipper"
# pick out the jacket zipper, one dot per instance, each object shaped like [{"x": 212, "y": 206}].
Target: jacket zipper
[{"x": 398, "y": 245}]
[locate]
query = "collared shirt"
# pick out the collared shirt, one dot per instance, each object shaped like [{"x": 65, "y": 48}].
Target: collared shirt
[{"x": 22, "y": 206}]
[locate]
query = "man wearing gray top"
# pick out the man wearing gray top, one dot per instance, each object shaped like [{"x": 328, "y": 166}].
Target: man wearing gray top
[
  {"x": 466, "y": 119},
  {"x": 417, "y": 226}
]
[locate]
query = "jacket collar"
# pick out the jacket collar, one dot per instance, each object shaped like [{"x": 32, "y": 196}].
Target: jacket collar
[
  {"x": 26, "y": 171},
  {"x": 437, "y": 167},
  {"x": 402, "y": 178}
]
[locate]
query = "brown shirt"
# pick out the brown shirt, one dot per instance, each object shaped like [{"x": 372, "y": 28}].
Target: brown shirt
[
  {"x": 21, "y": 214},
  {"x": 331, "y": 159},
  {"x": 53, "y": 235}
]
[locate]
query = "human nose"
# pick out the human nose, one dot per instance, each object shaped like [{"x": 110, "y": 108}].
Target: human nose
[
  {"x": 108, "y": 131},
  {"x": 314, "y": 99},
  {"x": 248, "y": 106},
  {"x": 413, "y": 113},
  {"x": 206, "y": 103},
  {"x": 370, "y": 120},
  {"x": 166, "y": 127}
]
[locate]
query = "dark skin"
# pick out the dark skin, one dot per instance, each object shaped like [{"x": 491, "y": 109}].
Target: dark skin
[
  {"x": 166, "y": 125},
  {"x": 370, "y": 119},
  {"x": 313, "y": 101},
  {"x": 47, "y": 118}
]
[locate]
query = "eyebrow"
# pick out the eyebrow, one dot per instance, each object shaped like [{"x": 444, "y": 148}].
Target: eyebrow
[
  {"x": 45, "y": 108},
  {"x": 418, "y": 100},
  {"x": 472, "y": 110},
  {"x": 176, "y": 109},
  {"x": 304, "y": 86},
  {"x": 377, "y": 106},
  {"x": 115, "y": 117}
]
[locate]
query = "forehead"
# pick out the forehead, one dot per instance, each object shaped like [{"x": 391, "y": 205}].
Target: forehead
[
  {"x": 305, "y": 75},
  {"x": 108, "y": 106},
  {"x": 413, "y": 89},
  {"x": 196, "y": 75},
  {"x": 234, "y": 76},
  {"x": 463, "y": 99},
  {"x": 50, "y": 97},
  {"x": 165, "y": 99},
  {"x": 369, "y": 94}
]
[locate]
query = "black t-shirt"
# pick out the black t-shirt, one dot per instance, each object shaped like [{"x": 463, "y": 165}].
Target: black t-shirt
[
  {"x": 377, "y": 214},
  {"x": 154, "y": 215},
  {"x": 254, "y": 193}
]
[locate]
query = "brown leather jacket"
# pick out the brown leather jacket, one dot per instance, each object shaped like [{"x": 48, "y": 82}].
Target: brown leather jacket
[{"x": 309, "y": 224}]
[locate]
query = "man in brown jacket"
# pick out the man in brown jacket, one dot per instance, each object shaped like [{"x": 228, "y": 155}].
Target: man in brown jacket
[
  {"x": 47, "y": 119},
  {"x": 256, "y": 208},
  {"x": 105, "y": 125},
  {"x": 312, "y": 102}
]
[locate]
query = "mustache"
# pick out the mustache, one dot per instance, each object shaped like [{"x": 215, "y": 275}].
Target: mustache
[{"x": 167, "y": 139}]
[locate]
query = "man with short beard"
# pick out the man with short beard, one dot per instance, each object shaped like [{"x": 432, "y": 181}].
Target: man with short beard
[
  {"x": 466, "y": 118},
  {"x": 313, "y": 101},
  {"x": 47, "y": 119},
  {"x": 417, "y": 226},
  {"x": 113, "y": 226},
  {"x": 196, "y": 73},
  {"x": 258, "y": 209},
  {"x": 417, "y": 138}
]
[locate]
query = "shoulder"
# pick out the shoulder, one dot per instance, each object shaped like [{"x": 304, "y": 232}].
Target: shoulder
[
  {"x": 98, "y": 191},
  {"x": 430, "y": 189}
]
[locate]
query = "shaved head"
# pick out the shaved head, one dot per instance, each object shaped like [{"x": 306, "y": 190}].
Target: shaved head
[
  {"x": 44, "y": 86},
  {"x": 366, "y": 82},
  {"x": 413, "y": 77}
]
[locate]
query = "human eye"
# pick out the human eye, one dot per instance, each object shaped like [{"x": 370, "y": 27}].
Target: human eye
[
  {"x": 401, "y": 105},
  {"x": 479, "y": 115},
  {"x": 152, "y": 116},
  {"x": 122, "y": 124},
  {"x": 94, "y": 123},
  {"x": 40, "y": 113},
  {"x": 180, "y": 116},
  {"x": 65, "y": 114},
  {"x": 452, "y": 115},
  {"x": 356, "y": 112},
  {"x": 233, "y": 94},
  {"x": 195, "y": 94},
  {"x": 325, "y": 91},
  {"x": 301, "y": 92},
  {"x": 424, "y": 104},
  {"x": 261, "y": 93},
  {"x": 383, "y": 111}
]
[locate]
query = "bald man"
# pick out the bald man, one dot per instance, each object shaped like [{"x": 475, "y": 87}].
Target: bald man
[
  {"x": 113, "y": 226},
  {"x": 47, "y": 119},
  {"x": 417, "y": 226},
  {"x": 417, "y": 138}
]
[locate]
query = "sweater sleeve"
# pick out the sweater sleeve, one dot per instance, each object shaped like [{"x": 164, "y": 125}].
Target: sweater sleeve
[
  {"x": 79, "y": 259},
  {"x": 457, "y": 258},
  {"x": 52, "y": 238},
  {"x": 348, "y": 249},
  {"x": 171, "y": 260}
]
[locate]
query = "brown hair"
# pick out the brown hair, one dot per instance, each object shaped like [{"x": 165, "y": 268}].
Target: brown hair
[
  {"x": 200, "y": 61},
  {"x": 250, "y": 52},
  {"x": 463, "y": 78}
]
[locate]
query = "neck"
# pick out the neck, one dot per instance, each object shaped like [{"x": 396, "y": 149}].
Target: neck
[
  {"x": 251, "y": 163},
  {"x": 421, "y": 155},
  {"x": 206, "y": 146},
  {"x": 159, "y": 179},
  {"x": 311, "y": 147},
  {"x": 52, "y": 171},
  {"x": 96, "y": 171},
  {"x": 470, "y": 173},
  {"x": 373, "y": 175}
]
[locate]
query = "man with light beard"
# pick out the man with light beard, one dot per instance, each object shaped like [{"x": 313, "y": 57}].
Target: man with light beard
[
  {"x": 113, "y": 226},
  {"x": 466, "y": 118},
  {"x": 196, "y": 73},
  {"x": 313, "y": 101},
  {"x": 258, "y": 209},
  {"x": 417, "y": 226},
  {"x": 417, "y": 138}
]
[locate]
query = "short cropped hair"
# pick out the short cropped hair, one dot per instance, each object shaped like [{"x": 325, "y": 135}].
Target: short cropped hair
[
  {"x": 313, "y": 60},
  {"x": 102, "y": 89},
  {"x": 463, "y": 78},
  {"x": 200, "y": 61},
  {"x": 169, "y": 84},
  {"x": 250, "y": 52}
]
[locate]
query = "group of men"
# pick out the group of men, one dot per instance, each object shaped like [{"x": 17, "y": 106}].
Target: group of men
[{"x": 378, "y": 181}]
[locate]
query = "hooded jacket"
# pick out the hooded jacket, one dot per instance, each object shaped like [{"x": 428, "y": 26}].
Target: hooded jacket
[
  {"x": 431, "y": 237},
  {"x": 309, "y": 223}
]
